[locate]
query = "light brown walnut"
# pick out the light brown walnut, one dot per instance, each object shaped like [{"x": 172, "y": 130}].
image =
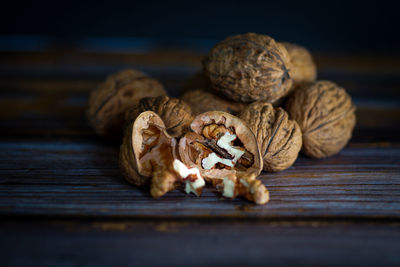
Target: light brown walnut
[
  {"x": 279, "y": 138},
  {"x": 175, "y": 113},
  {"x": 302, "y": 68},
  {"x": 326, "y": 116},
  {"x": 201, "y": 101},
  {"x": 249, "y": 67},
  {"x": 225, "y": 151},
  {"x": 148, "y": 155},
  {"x": 109, "y": 102}
]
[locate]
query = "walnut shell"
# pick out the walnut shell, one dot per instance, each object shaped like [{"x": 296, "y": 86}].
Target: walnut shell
[
  {"x": 302, "y": 68},
  {"x": 249, "y": 67},
  {"x": 199, "y": 144},
  {"x": 279, "y": 139},
  {"x": 175, "y": 113},
  {"x": 326, "y": 116},
  {"x": 201, "y": 101},
  {"x": 109, "y": 102},
  {"x": 145, "y": 146}
]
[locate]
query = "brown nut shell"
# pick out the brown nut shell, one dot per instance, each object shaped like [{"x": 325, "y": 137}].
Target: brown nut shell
[
  {"x": 279, "y": 139},
  {"x": 249, "y": 67},
  {"x": 109, "y": 102},
  {"x": 175, "y": 113},
  {"x": 326, "y": 116},
  {"x": 302, "y": 68},
  {"x": 146, "y": 148},
  {"x": 200, "y": 138},
  {"x": 202, "y": 101}
]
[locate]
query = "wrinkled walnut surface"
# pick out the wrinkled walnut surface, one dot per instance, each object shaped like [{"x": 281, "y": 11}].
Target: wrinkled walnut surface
[
  {"x": 108, "y": 103},
  {"x": 249, "y": 67},
  {"x": 201, "y": 101},
  {"x": 279, "y": 138},
  {"x": 302, "y": 68},
  {"x": 175, "y": 113},
  {"x": 326, "y": 116}
]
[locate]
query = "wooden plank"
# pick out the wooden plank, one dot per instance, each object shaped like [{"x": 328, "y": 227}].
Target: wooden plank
[
  {"x": 82, "y": 179},
  {"x": 191, "y": 243}
]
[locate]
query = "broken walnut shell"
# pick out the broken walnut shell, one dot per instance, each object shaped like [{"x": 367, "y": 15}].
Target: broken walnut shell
[
  {"x": 249, "y": 67},
  {"x": 175, "y": 113},
  {"x": 302, "y": 68},
  {"x": 326, "y": 116},
  {"x": 201, "y": 101},
  {"x": 108, "y": 103},
  {"x": 279, "y": 138},
  {"x": 148, "y": 155}
]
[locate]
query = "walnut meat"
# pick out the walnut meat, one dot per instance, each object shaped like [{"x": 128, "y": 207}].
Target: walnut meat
[
  {"x": 175, "y": 113},
  {"x": 279, "y": 139},
  {"x": 109, "y": 102},
  {"x": 326, "y": 116},
  {"x": 201, "y": 101},
  {"x": 225, "y": 151},
  {"x": 249, "y": 67},
  {"x": 302, "y": 68},
  {"x": 148, "y": 156}
]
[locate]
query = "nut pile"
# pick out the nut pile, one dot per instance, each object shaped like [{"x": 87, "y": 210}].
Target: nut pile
[{"x": 253, "y": 108}]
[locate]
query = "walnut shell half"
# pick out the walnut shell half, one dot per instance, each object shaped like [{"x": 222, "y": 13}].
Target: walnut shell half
[
  {"x": 326, "y": 116},
  {"x": 249, "y": 67},
  {"x": 279, "y": 139},
  {"x": 302, "y": 68},
  {"x": 175, "y": 113},
  {"x": 201, "y": 101},
  {"x": 109, "y": 102}
]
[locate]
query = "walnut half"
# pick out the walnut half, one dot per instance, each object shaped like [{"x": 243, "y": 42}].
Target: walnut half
[{"x": 225, "y": 151}]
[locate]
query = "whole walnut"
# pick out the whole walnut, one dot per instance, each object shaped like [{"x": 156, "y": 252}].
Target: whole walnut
[
  {"x": 249, "y": 67},
  {"x": 326, "y": 116},
  {"x": 201, "y": 101},
  {"x": 302, "y": 68},
  {"x": 109, "y": 102},
  {"x": 175, "y": 113},
  {"x": 279, "y": 138}
]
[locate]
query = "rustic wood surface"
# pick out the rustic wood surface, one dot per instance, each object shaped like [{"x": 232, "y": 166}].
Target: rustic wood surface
[{"x": 64, "y": 202}]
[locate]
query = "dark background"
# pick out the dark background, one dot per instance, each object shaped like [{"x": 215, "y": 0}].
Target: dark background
[{"x": 355, "y": 26}]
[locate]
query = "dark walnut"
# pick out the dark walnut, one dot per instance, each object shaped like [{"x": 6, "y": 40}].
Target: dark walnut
[
  {"x": 279, "y": 138},
  {"x": 326, "y": 116},
  {"x": 175, "y": 113},
  {"x": 148, "y": 155},
  {"x": 201, "y": 101},
  {"x": 302, "y": 68},
  {"x": 109, "y": 102},
  {"x": 249, "y": 67},
  {"x": 225, "y": 151}
]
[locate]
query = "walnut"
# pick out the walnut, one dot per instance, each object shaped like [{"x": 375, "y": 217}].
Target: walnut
[
  {"x": 225, "y": 151},
  {"x": 249, "y": 67},
  {"x": 302, "y": 68},
  {"x": 279, "y": 139},
  {"x": 176, "y": 114},
  {"x": 326, "y": 116},
  {"x": 108, "y": 103},
  {"x": 201, "y": 101},
  {"x": 148, "y": 156}
]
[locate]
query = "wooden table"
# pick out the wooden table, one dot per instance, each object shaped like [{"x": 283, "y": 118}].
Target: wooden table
[{"x": 63, "y": 201}]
